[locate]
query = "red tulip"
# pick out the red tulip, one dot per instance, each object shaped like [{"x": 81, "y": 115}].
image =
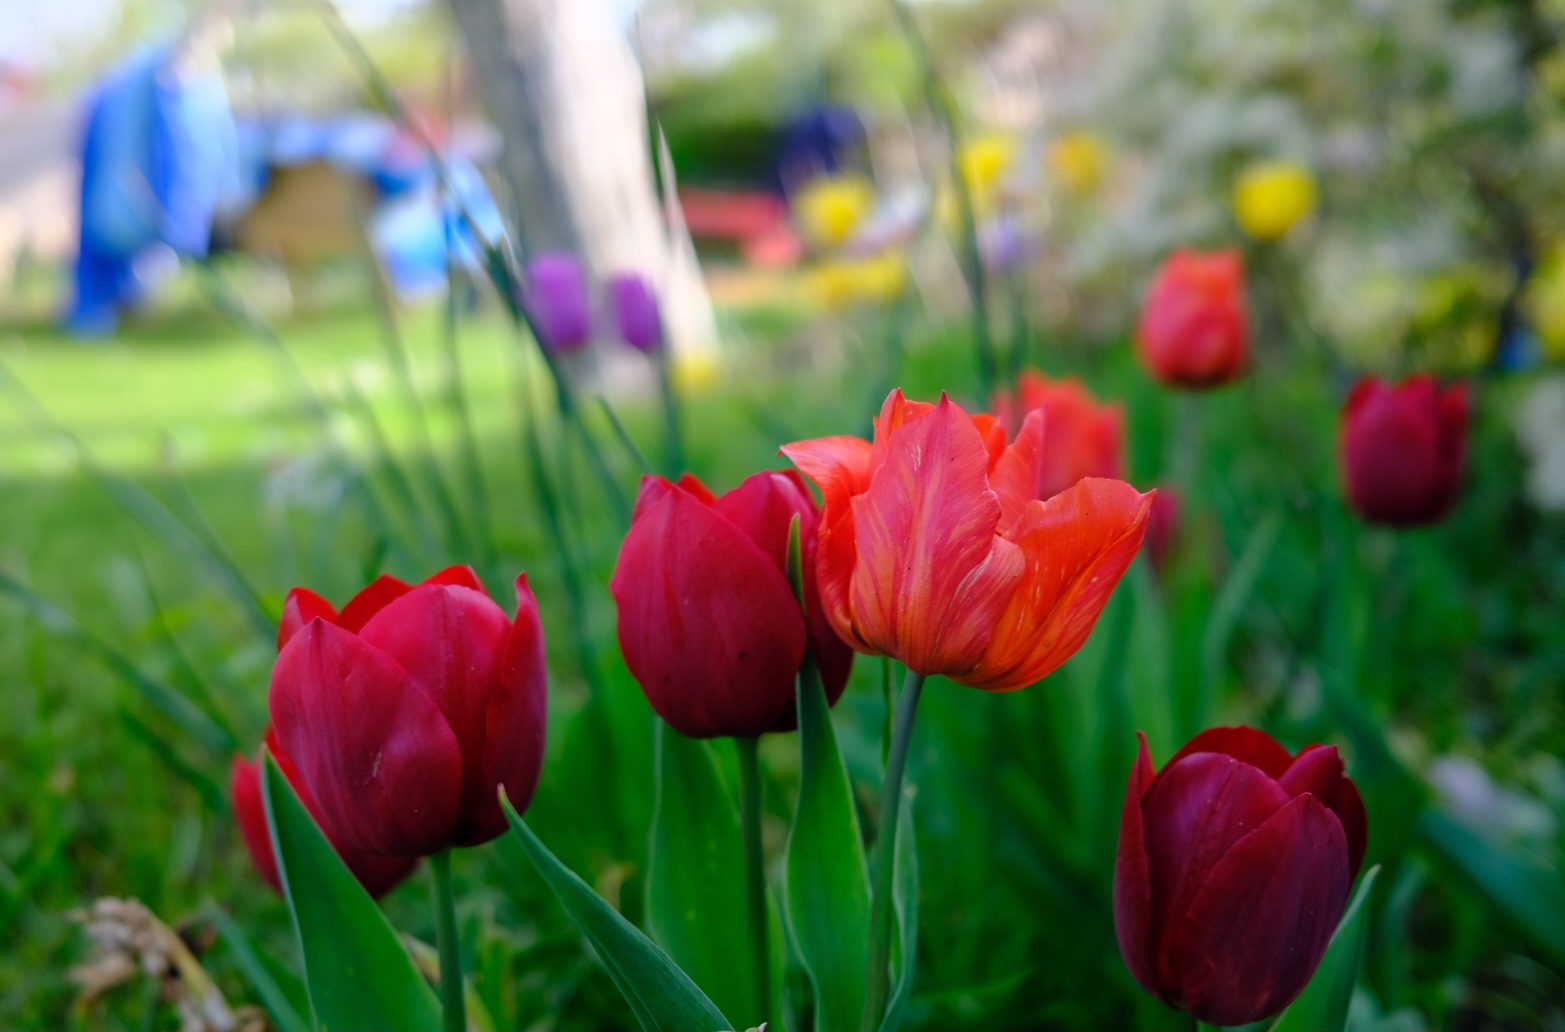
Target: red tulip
[
  {"x": 1234, "y": 866},
  {"x": 1081, "y": 438},
  {"x": 1403, "y": 449},
  {"x": 1192, "y": 331},
  {"x": 405, "y": 711},
  {"x": 707, "y": 621},
  {"x": 378, "y": 874},
  {"x": 936, "y": 549},
  {"x": 1163, "y": 525}
]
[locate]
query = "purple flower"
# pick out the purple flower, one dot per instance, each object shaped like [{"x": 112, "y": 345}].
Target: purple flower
[
  {"x": 635, "y": 310},
  {"x": 557, "y": 301}
]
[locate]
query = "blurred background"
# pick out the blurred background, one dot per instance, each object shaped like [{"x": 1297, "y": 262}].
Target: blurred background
[{"x": 266, "y": 319}]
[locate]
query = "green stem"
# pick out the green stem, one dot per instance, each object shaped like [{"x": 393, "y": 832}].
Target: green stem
[
  {"x": 878, "y": 987},
  {"x": 452, "y": 1002},
  {"x": 675, "y": 443},
  {"x": 754, "y": 867}
]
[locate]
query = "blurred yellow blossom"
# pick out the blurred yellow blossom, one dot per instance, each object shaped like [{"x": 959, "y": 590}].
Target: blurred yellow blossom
[
  {"x": 1453, "y": 319},
  {"x": 1545, "y": 301},
  {"x": 830, "y": 208},
  {"x": 1076, "y": 160},
  {"x": 1270, "y": 197},
  {"x": 985, "y": 160},
  {"x": 696, "y": 370},
  {"x": 845, "y": 282}
]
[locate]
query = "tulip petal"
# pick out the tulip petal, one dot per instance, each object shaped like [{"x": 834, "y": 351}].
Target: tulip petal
[
  {"x": 302, "y": 606},
  {"x": 1257, "y": 748},
  {"x": 451, "y": 641},
  {"x": 1196, "y": 809},
  {"x": 1018, "y": 477},
  {"x": 931, "y": 578},
  {"x": 692, "y": 485},
  {"x": 515, "y": 721},
  {"x": 667, "y": 629},
  {"x": 372, "y": 747},
  {"x": 840, "y": 467},
  {"x": 895, "y": 413},
  {"x": 1133, "y": 877},
  {"x": 1076, "y": 546},
  {"x": 1316, "y": 770},
  {"x": 458, "y": 577},
  {"x": 1350, "y": 811},
  {"x": 244, "y": 790},
  {"x": 1256, "y": 931},
  {"x": 380, "y": 593}
]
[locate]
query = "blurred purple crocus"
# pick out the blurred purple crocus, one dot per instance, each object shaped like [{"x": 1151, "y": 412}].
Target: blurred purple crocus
[
  {"x": 1003, "y": 245},
  {"x": 558, "y": 302},
  {"x": 635, "y": 310}
]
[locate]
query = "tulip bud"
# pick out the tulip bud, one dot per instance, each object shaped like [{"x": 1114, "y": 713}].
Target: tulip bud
[
  {"x": 707, "y": 622},
  {"x": 1234, "y": 866},
  {"x": 937, "y": 549},
  {"x": 635, "y": 310},
  {"x": 1081, "y": 438},
  {"x": 408, "y": 709},
  {"x": 1193, "y": 331},
  {"x": 1271, "y": 197},
  {"x": 1403, "y": 449},
  {"x": 558, "y": 301},
  {"x": 378, "y": 874}
]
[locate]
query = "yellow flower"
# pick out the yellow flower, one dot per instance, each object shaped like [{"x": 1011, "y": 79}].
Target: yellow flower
[
  {"x": 985, "y": 160},
  {"x": 1270, "y": 198},
  {"x": 844, "y": 282},
  {"x": 695, "y": 371},
  {"x": 1077, "y": 160},
  {"x": 830, "y": 208},
  {"x": 1545, "y": 301}
]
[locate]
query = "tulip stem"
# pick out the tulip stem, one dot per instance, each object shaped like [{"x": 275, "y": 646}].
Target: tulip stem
[
  {"x": 878, "y": 987},
  {"x": 452, "y": 1001},
  {"x": 755, "y": 869}
]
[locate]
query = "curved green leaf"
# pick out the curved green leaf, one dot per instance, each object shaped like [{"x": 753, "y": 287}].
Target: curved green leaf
[
  {"x": 358, "y": 973},
  {"x": 696, "y": 905},
  {"x": 828, "y": 900},
  {"x": 1323, "y": 1006},
  {"x": 662, "y": 996}
]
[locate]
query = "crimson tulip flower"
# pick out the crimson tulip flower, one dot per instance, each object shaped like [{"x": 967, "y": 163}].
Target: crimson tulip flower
[
  {"x": 936, "y": 549},
  {"x": 406, "y": 710},
  {"x": 1193, "y": 330},
  {"x": 378, "y": 874},
  {"x": 1081, "y": 437},
  {"x": 1234, "y": 866},
  {"x": 707, "y": 621},
  {"x": 1403, "y": 449}
]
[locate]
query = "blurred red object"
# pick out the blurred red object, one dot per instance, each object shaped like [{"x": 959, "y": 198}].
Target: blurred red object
[
  {"x": 755, "y": 220},
  {"x": 1403, "y": 449}
]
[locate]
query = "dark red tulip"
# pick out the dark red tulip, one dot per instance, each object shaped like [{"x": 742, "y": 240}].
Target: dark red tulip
[
  {"x": 1163, "y": 525},
  {"x": 405, "y": 711},
  {"x": 378, "y": 874},
  {"x": 1193, "y": 330},
  {"x": 1403, "y": 449},
  {"x": 707, "y": 621},
  {"x": 1081, "y": 437},
  {"x": 1234, "y": 866}
]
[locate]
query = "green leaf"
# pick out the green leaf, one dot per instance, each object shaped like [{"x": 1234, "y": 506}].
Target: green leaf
[
  {"x": 696, "y": 904},
  {"x": 1533, "y": 897},
  {"x": 1323, "y": 1006},
  {"x": 828, "y": 900},
  {"x": 662, "y": 996},
  {"x": 358, "y": 973},
  {"x": 279, "y": 990},
  {"x": 1233, "y": 601},
  {"x": 904, "y": 898}
]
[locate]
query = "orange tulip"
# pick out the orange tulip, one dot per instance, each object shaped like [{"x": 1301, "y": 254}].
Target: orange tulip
[
  {"x": 1081, "y": 437},
  {"x": 935, "y": 548}
]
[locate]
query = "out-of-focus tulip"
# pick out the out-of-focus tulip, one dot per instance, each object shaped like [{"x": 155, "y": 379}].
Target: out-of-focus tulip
[
  {"x": 842, "y": 283},
  {"x": 1003, "y": 245},
  {"x": 635, "y": 310},
  {"x": 1234, "y": 866},
  {"x": 1403, "y": 449},
  {"x": 1077, "y": 161},
  {"x": 707, "y": 622},
  {"x": 1193, "y": 330},
  {"x": 1271, "y": 197},
  {"x": 830, "y": 208},
  {"x": 378, "y": 874},
  {"x": 1163, "y": 525},
  {"x": 558, "y": 301},
  {"x": 985, "y": 161},
  {"x": 406, "y": 710},
  {"x": 1081, "y": 438},
  {"x": 936, "y": 549}
]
